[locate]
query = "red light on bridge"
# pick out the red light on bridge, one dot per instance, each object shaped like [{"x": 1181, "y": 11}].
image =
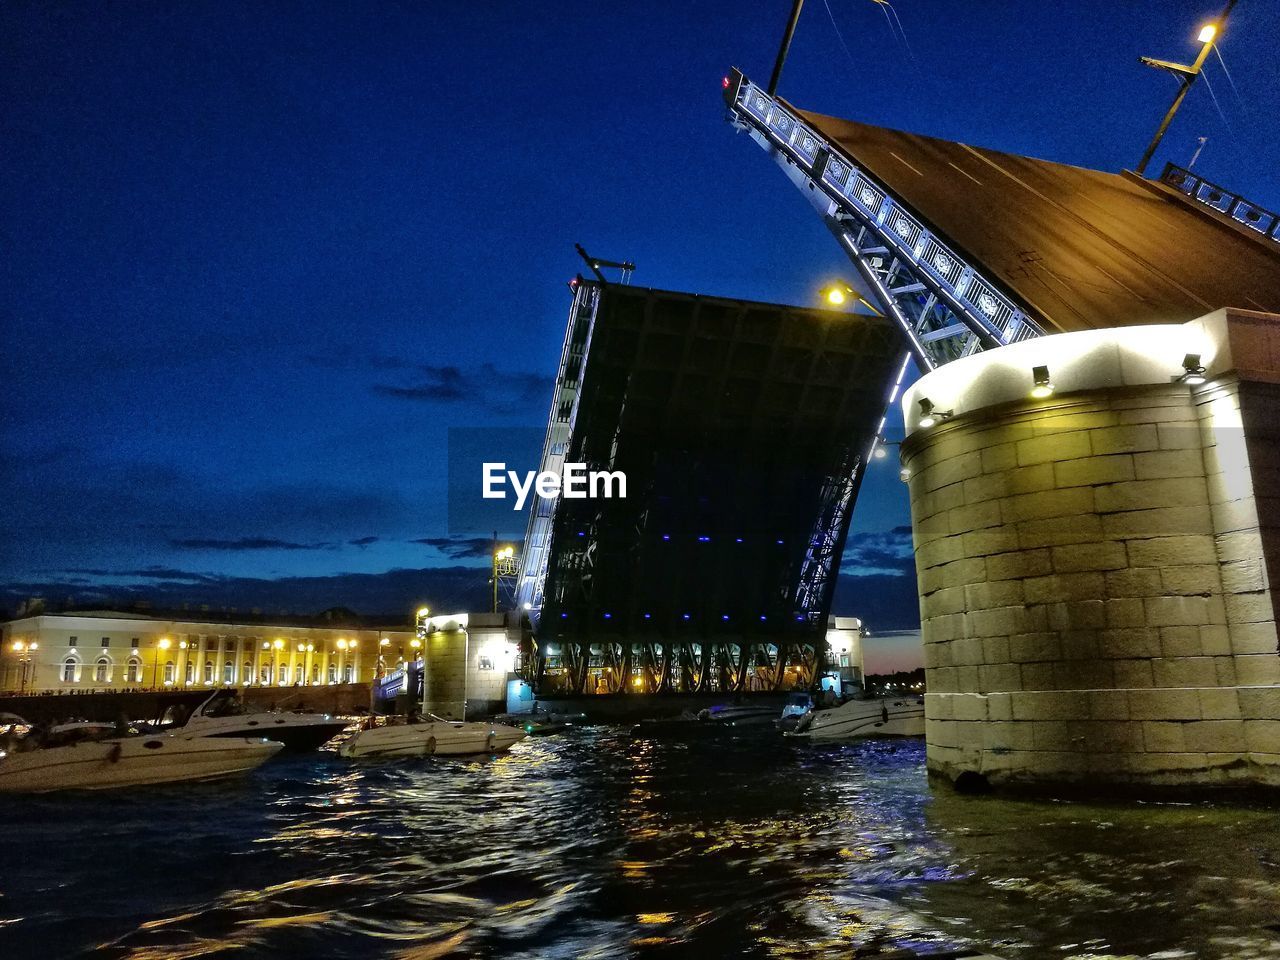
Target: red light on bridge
[{"x": 725, "y": 83}]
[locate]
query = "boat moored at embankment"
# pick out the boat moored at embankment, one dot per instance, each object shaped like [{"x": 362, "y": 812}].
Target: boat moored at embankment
[
  {"x": 80, "y": 757},
  {"x": 882, "y": 717},
  {"x": 432, "y": 736},
  {"x": 223, "y": 716}
]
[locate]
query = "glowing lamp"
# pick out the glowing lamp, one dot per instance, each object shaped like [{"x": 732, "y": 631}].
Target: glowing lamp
[
  {"x": 1042, "y": 386},
  {"x": 1207, "y": 33},
  {"x": 1192, "y": 370}
]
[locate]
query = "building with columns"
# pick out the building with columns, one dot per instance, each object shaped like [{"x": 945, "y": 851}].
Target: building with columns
[{"x": 103, "y": 650}]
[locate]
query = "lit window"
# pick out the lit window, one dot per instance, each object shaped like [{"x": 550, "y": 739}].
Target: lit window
[
  {"x": 69, "y": 670},
  {"x": 168, "y": 671},
  {"x": 486, "y": 663},
  {"x": 208, "y": 671},
  {"x": 102, "y": 670},
  {"x": 228, "y": 672},
  {"x": 134, "y": 673}
]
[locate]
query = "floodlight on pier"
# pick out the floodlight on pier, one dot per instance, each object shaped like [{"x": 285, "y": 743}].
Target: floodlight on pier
[
  {"x": 1042, "y": 386},
  {"x": 1207, "y": 33},
  {"x": 1193, "y": 371},
  {"x": 931, "y": 416}
]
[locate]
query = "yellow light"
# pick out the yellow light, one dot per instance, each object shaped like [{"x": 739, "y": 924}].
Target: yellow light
[
  {"x": 342, "y": 644},
  {"x": 279, "y": 644},
  {"x": 266, "y": 646},
  {"x": 637, "y": 682},
  {"x": 182, "y": 644},
  {"x": 164, "y": 643},
  {"x": 423, "y": 612},
  {"x": 384, "y": 642},
  {"x": 1207, "y": 33},
  {"x": 835, "y": 296},
  {"x": 17, "y": 644},
  {"x": 36, "y": 646},
  {"x": 415, "y": 643},
  {"x": 351, "y": 644}
]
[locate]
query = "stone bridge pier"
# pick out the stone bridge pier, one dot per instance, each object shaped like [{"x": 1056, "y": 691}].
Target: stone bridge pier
[{"x": 1098, "y": 566}]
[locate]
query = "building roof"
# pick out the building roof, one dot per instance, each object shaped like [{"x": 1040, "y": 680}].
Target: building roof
[
  {"x": 337, "y": 618},
  {"x": 1081, "y": 248}
]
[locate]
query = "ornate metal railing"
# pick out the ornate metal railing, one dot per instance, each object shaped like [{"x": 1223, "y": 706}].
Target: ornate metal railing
[
  {"x": 1223, "y": 201},
  {"x": 943, "y": 304}
]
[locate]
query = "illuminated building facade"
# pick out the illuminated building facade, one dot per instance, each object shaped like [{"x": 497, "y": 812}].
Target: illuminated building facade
[{"x": 109, "y": 650}]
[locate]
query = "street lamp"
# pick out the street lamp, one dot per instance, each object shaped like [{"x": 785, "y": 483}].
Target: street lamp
[
  {"x": 276, "y": 647},
  {"x": 1186, "y": 75},
  {"x": 162, "y": 644},
  {"x": 25, "y": 650}
]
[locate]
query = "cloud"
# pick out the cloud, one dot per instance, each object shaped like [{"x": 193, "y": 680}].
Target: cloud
[
  {"x": 505, "y": 391},
  {"x": 248, "y": 543},
  {"x": 442, "y": 384},
  {"x": 363, "y": 542},
  {"x": 458, "y": 548},
  {"x": 147, "y": 573},
  {"x": 395, "y": 592},
  {"x": 887, "y": 552}
]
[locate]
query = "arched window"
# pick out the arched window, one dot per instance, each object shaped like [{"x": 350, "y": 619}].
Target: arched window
[
  {"x": 246, "y": 672},
  {"x": 208, "y": 671},
  {"x": 350, "y": 673},
  {"x": 266, "y": 674},
  {"x": 315, "y": 674},
  {"x": 69, "y": 666},
  {"x": 168, "y": 671},
  {"x": 333, "y": 673},
  {"x": 134, "y": 674},
  {"x": 228, "y": 672},
  {"x": 282, "y": 675},
  {"x": 102, "y": 670},
  {"x": 190, "y": 671},
  {"x": 298, "y": 675}
]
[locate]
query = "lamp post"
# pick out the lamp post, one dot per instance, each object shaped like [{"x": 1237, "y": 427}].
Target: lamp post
[
  {"x": 25, "y": 650},
  {"x": 1187, "y": 75},
  {"x": 162, "y": 644}
]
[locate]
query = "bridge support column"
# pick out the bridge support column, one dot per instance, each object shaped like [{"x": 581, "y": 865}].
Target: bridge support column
[{"x": 1098, "y": 567}]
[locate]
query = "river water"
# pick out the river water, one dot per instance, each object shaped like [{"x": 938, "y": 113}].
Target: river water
[{"x": 591, "y": 844}]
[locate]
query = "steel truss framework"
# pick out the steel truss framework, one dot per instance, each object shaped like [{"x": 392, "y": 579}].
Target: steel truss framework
[{"x": 943, "y": 305}]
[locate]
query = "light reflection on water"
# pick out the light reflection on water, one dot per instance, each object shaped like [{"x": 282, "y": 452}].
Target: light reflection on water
[{"x": 594, "y": 845}]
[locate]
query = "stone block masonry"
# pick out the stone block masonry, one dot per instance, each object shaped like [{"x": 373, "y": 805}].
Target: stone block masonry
[{"x": 1098, "y": 568}]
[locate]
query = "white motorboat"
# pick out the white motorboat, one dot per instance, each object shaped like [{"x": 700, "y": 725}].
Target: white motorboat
[
  {"x": 738, "y": 715},
  {"x": 432, "y": 735},
  {"x": 86, "y": 756},
  {"x": 225, "y": 716},
  {"x": 883, "y": 717}
]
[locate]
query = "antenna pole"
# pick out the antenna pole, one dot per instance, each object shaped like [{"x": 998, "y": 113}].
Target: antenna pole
[{"x": 786, "y": 46}]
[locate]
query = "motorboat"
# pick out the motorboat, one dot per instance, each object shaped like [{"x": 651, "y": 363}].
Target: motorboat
[
  {"x": 798, "y": 704},
  {"x": 432, "y": 735},
  {"x": 736, "y": 715},
  {"x": 879, "y": 717},
  {"x": 92, "y": 756},
  {"x": 224, "y": 715},
  {"x": 541, "y": 723}
]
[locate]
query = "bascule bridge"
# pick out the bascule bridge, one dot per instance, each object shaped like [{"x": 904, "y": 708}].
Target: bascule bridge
[{"x": 1092, "y": 452}]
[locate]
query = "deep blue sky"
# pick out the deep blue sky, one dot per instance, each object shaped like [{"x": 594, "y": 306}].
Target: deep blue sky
[{"x": 258, "y": 256}]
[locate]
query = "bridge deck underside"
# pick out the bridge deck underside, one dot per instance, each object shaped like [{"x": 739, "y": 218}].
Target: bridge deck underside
[{"x": 1082, "y": 248}]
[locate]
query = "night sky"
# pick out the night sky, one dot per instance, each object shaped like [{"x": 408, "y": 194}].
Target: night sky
[{"x": 257, "y": 257}]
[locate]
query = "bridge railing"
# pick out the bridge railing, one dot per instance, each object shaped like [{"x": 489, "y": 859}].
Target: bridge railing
[
  {"x": 1242, "y": 211},
  {"x": 974, "y": 300}
]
